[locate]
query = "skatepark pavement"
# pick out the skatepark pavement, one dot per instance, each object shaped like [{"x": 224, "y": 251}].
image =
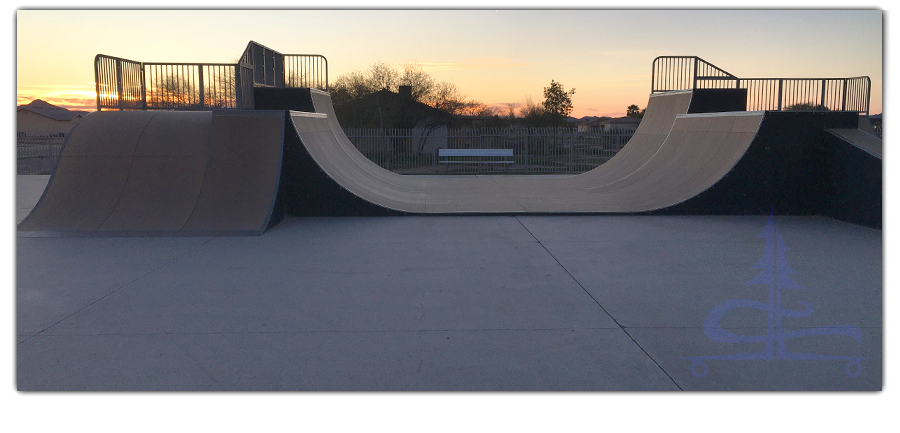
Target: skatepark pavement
[{"x": 443, "y": 303}]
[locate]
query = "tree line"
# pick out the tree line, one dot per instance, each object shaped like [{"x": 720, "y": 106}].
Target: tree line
[{"x": 446, "y": 97}]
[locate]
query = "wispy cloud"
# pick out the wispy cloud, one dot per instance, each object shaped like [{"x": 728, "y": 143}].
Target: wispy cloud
[{"x": 72, "y": 97}]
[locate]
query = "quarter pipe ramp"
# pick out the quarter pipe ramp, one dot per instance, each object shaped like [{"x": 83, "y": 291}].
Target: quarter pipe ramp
[{"x": 133, "y": 173}]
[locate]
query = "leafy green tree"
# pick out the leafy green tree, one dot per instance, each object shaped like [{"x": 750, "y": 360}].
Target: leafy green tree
[{"x": 557, "y": 102}]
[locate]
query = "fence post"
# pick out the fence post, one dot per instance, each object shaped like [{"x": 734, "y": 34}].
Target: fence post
[
  {"x": 390, "y": 149},
  {"x": 527, "y": 152}
]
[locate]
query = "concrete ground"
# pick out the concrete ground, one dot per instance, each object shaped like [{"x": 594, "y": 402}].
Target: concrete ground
[{"x": 478, "y": 303}]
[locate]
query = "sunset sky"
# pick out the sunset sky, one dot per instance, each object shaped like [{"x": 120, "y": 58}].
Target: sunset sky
[{"x": 493, "y": 56}]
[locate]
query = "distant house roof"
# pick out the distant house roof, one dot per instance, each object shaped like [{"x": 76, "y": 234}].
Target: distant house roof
[
  {"x": 618, "y": 121},
  {"x": 47, "y": 109},
  {"x": 390, "y": 109},
  {"x": 622, "y": 121}
]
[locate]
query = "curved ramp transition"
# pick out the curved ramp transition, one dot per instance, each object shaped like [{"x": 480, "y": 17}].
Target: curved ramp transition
[
  {"x": 678, "y": 162},
  {"x": 132, "y": 173}
]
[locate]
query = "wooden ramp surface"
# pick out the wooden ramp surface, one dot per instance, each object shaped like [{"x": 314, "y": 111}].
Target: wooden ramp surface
[
  {"x": 133, "y": 173},
  {"x": 672, "y": 157}
]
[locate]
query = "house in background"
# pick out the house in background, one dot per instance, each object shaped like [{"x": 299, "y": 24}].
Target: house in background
[
  {"x": 42, "y": 119},
  {"x": 622, "y": 124},
  {"x": 426, "y": 125}
]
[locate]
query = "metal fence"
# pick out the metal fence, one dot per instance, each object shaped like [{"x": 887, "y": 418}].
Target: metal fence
[
  {"x": 774, "y": 94},
  {"x": 37, "y": 155},
  {"x": 123, "y": 84},
  {"x": 535, "y": 150},
  {"x": 414, "y": 151}
]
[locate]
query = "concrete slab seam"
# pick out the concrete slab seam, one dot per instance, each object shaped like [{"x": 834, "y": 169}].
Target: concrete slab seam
[{"x": 600, "y": 305}]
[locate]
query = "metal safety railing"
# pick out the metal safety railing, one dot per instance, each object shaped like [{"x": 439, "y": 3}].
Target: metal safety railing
[
  {"x": 672, "y": 73},
  {"x": 805, "y": 94},
  {"x": 123, "y": 84},
  {"x": 306, "y": 70},
  {"x": 119, "y": 83},
  {"x": 178, "y": 86},
  {"x": 687, "y": 72}
]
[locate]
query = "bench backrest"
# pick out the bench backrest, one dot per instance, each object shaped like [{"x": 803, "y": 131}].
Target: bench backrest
[{"x": 475, "y": 152}]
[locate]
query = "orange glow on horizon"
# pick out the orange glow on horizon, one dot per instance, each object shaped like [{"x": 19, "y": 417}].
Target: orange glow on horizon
[{"x": 78, "y": 100}]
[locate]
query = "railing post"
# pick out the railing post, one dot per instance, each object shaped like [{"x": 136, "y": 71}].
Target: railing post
[
  {"x": 868, "y": 94},
  {"x": 844, "y": 96},
  {"x": 120, "y": 88},
  {"x": 696, "y": 67},
  {"x": 822, "y": 90},
  {"x": 97, "y": 79},
  {"x": 238, "y": 91},
  {"x": 143, "y": 89},
  {"x": 780, "y": 87},
  {"x": 202, "y": 92}
]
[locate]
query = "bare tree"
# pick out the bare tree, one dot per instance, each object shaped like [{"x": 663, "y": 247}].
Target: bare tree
[
  {"x": 438, "y": 94},
  {"x": 382, "y": 76},
  {"x": 414, "y": 76},
  {"x": 172, "y": 91},
  {"x": 446, "y": 96},
  {"x": 806, "y": 106},
  {"x": 531, "y": 112}
]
